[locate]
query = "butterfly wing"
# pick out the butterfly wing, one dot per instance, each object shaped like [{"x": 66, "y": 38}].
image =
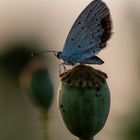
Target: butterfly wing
[
  {"x": 90, "y": 31},
  {"x": 92, "y": 60}
]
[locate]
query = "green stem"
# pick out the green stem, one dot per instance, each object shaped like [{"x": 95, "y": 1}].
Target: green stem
[
  {"x": 91, "y": 138},
  {"x": 45, "y": 124}
]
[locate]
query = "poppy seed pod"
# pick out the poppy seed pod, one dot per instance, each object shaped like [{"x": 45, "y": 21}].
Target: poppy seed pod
[
  {"x": 36, "y": 82},
  {"x": 84, "y": 101}
]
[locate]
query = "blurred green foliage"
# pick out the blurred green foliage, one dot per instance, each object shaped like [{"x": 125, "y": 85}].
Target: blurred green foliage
[
  {"x": 18, "y": 119},
  {"x": 13, "y": 60},
  {"x": 131, "y": 125}
]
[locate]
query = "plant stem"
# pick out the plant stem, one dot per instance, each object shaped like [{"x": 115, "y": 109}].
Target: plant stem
[
  {"x": 45, "y": 124},
  {"x": 91, "y": 138}
]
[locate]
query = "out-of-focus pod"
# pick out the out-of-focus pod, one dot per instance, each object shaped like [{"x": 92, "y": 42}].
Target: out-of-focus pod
[{"x": 36, "y": 82}]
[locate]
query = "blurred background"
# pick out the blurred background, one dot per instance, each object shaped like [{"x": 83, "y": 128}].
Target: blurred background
[{"x": 29, "y": 26}]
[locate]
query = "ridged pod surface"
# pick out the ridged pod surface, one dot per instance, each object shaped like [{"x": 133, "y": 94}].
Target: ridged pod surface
[{"x": 84, "y": 101}]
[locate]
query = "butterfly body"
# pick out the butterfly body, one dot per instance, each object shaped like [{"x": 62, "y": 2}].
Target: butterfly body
[
  {"x": 79, "y": 59},
  {"x": 67, "y": 59},
  {"x": 88, "y": 35}
]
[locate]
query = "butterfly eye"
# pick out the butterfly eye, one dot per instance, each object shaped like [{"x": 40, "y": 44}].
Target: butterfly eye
[
  {"x": 72, "y": 39},
  {"x": 79, "y": 23},
  {"x": 58, "y": 55},
  {"x": 91, "y": 42},
  {"x": 79, "y": 46}
]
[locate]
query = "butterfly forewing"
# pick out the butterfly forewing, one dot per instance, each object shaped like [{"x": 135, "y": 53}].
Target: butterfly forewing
[{"x": 90, "y": 31}]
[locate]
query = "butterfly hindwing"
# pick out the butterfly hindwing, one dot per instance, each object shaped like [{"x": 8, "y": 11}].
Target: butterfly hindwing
[{"x": 92, "y": 60}]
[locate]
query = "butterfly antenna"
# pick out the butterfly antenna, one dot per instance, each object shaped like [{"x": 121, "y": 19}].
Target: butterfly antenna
[{"x": 43, "y": 52}]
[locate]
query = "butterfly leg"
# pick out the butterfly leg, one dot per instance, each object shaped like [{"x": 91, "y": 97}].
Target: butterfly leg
[{"x": 63, "y": 67}]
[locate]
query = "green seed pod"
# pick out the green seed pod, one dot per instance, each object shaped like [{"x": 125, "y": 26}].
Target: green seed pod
[
  {"x": 36, "y": 82},
  {"x": 42, "y": 88},
  {"x": 84, "y": 101}
]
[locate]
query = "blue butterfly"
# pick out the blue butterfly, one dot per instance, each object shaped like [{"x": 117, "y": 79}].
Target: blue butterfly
[{"x": 88, "y": 36}]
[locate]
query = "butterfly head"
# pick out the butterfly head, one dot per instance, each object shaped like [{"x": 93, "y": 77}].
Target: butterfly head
[{"x": 58, "y": 55}]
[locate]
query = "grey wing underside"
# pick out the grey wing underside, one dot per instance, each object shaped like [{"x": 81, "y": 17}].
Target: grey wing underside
[
  {"x": 90, "y": 31},
  {"x": 91, "y": 60}
]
